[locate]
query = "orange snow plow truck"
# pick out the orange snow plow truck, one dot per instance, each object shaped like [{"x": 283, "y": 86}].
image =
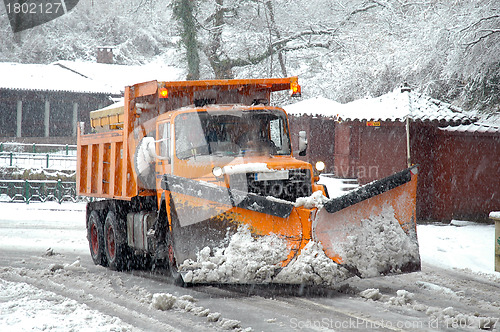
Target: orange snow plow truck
[{"x": 181, "y": 166}]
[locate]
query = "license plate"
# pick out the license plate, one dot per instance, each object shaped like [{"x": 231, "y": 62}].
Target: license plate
[{"x": 276, "y": 175}]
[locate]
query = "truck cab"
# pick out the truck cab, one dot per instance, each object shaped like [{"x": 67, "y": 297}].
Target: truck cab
[{"x": 236, "y": 146}]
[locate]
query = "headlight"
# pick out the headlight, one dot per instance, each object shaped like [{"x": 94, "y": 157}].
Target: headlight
[
  {"x": 320, "y": 166},
  {"x": 217, "y": 171}
]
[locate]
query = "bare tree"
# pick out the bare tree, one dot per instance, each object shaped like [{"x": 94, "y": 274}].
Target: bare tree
[
  {"x": 274, "y": 33},
  {"x": 475, "y": 64},
  {"x": 278, "y": 42},
  {"x": 184, "y": 12}
]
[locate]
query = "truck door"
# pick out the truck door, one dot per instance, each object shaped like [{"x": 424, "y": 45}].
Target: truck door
[{"x": 164, "y": 151}]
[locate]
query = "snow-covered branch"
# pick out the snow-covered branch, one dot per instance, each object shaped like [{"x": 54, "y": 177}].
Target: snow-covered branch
[
  {"x": 489, "y": 32},
  {"x": 483, "y": 19}
]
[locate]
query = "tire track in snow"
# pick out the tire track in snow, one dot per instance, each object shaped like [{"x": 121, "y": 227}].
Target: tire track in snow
[
  {"x": 84, "y": 288},
  {"x": 361, "y": 319}
]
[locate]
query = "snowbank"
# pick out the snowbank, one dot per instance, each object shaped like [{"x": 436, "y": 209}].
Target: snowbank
[
  {"x": 186, "y": 303},
  {"x": 438, "y": 317},
  {"x": 51, "y": 225},
  {"x": 470, "y": 246}
]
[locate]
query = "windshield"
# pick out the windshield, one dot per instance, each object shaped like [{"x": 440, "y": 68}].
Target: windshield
[{"x": 235, "y": 132}]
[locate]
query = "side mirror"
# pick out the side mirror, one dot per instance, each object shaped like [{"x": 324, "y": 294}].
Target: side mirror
[
  {"x": 302, "y": 143},
  {"x": 152, "y": 150}
]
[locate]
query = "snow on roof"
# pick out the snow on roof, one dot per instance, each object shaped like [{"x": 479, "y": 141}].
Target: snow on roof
[
  {"x": 119, "y": 76},
  {"x": 83, "y": 77},
  {"x": 397, "y": 106},
  {"x": 119, "y": 103},
  {"x": 491, "y": 119},
  {"x": 39, "y": 77},
  {"x": 474, "y": 128},
  {"x": 314, "y": 106}
]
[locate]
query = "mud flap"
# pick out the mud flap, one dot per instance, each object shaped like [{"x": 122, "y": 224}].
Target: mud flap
[{"x": 372, "y": 230}]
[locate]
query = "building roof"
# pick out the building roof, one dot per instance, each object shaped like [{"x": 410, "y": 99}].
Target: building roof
[
  {"x": 81, "y": 77},
  {"x": 393, "y": 106},
  {"x": 397, "y": 106},
  {"x": 119, "y": 76},
  {"x": 313, "y": 107},
  {"x": 38, "y": 77},
  {"x": 492, "y": 119},
  {"x": 474, "y": 128}
]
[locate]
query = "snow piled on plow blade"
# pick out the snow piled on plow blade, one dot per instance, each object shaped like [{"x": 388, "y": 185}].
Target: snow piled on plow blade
[
  {"x": 245, "y": 260},
  {"x": 379, "y": 244},
  {"x": 372, "y": 230},
  {"x": 248, "y": 260}
]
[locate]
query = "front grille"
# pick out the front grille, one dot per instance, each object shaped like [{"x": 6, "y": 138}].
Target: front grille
[{"x": 297, "y": 185}]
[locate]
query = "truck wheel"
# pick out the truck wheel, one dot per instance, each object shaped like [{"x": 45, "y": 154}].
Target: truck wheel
[
  {"x": 115, "y": 243},
  {"x": 95, "y": 235},
  {"x": 172, "y": 266},
  {"x": 172, "y": 263}
]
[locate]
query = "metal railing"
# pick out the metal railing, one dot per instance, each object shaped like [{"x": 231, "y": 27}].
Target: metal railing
[
  {"x": 51, "y": 156},
  {"x": 38, "y": 190},
  {"x": 36, "y": 148}
]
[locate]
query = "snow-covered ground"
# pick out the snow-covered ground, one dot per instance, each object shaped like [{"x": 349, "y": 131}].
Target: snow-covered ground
[
  {"x": 36, "y": 227},
  {"x": 33, "y": 228},
  {"x": 459, "y": 245}
]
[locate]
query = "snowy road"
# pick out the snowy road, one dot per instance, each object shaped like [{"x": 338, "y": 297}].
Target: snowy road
[{"x": 64, "y": 290}]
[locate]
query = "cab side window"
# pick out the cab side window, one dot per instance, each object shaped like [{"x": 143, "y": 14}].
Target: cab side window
[{"x": 164, "y": 130}]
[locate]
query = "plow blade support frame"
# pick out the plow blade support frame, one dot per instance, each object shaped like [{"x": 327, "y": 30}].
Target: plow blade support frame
[{"x": 370, "y": 190}]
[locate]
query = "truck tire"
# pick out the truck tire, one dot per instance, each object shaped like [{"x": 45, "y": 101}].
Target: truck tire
[
  {"x": 172, "y": 263},
  {"x": 172, "y": 267},
  {"x": 95, "y": 235},
  {"x": 115, "y": 243}
]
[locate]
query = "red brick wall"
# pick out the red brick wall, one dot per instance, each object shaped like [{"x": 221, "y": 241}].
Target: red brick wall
[
  {"x": 423, "y": 137},
  {"x": 320, "y": 137},
  {"x": 382, "y": 151},
  {"x": 467, "y": 176},
  {"x": 345, "y": 163}
]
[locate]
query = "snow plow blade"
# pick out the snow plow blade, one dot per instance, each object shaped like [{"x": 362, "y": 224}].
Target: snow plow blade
[
  {"x": 225, "y": 235},
  {"x": 372, "y": 230},
  {"x": 206, "y": 217}
]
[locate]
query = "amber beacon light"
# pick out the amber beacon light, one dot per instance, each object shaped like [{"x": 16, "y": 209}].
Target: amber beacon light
[
  {"x": 163, "y": 93},
  {"x": 295, "y": 90}
]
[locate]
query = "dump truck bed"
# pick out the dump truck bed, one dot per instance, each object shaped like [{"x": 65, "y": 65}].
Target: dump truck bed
[{"x": 102, "y": 170}]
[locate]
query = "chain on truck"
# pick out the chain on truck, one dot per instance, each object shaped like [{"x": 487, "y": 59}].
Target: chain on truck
[{"x": 179, "y": 166}]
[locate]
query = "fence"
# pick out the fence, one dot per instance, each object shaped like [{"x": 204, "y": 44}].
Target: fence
[
  {"x": 35, "y": 190},
  {"x": 51, "y": 156}
]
